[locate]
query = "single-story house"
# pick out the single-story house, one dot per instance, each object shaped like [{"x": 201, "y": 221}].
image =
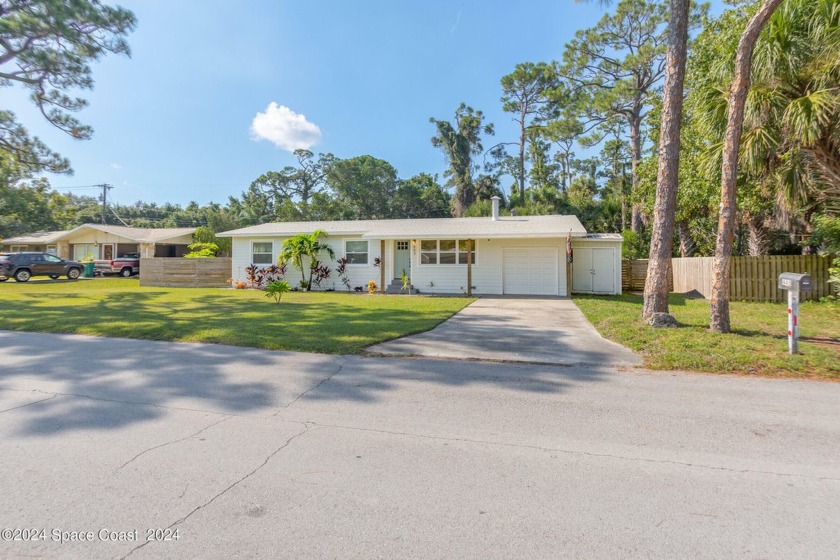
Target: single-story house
[
  {"x": 105, "y": 242},
  {"x": 524, "y": 255}
]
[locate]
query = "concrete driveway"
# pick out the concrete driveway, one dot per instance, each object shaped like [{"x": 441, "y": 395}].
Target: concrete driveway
[
  {"x": 517, "y": 329},
  {"x": 202, "y": 451}
]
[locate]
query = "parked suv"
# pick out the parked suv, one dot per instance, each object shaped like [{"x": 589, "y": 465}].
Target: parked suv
[{"x": 23, "y": 266}]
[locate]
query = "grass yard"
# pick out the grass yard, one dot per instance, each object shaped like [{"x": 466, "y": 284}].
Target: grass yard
[
  {"x": 757, "y": 345},
  {"x": 333, "y": 322}
]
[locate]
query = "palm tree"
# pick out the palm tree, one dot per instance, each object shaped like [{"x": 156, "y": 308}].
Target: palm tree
[
  {"x": 791, "y": 124},
  {"x": 305, "y": 246}
]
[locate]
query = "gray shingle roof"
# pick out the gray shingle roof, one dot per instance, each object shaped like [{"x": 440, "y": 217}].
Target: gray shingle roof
[
  {"x": 139, "y": 235},
  {"x": 430, "y": 228},
  {"x": 40, "y": 238}
]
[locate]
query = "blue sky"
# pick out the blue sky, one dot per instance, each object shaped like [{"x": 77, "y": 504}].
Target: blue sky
[{"x": 174, "y": 122}]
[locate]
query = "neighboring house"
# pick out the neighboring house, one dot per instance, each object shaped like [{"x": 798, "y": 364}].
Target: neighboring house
[
  {"x": 522, "y": 255},
  {"x": 105, "y": 242}
]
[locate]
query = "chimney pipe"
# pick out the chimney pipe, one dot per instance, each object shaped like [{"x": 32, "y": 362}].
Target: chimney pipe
[{"x": 495, "y": 200}]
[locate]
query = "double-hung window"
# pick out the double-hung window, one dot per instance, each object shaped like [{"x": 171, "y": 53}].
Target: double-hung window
[
  {"x": 262, "y": 252},
  {"x": 356, "y": 252},
  {"x": 445, "y": 252}
]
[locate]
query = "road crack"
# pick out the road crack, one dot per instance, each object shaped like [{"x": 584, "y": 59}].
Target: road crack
[
  {"x": 30, "y": 404},
  {"x": 199, "y": 432},
  {"x": 314, "y": 387},
  {"x": 195, "y": 510}
]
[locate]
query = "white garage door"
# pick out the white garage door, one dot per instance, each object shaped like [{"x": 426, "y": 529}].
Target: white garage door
[{"x": 530, "y": 271}]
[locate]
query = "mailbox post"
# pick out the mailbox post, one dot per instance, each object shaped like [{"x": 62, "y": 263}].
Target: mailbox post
[{"x": 794, "y": 283}]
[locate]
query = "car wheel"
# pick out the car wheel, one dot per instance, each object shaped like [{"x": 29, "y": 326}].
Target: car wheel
[
  {"x": 74, "y": 273},
  {"x": 54, "y": 276},
  {"x": 125, "y": 273},
  {"x": 23, "y": 275}
]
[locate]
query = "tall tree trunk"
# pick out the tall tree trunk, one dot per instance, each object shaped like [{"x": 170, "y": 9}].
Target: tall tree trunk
[
  {"x": 522, "y": 159},
  {"x": 758, "y": 240},
  {"x": 719, "y": 320},
  {"x": 667, "y": 179},
  {"x": 687, "y": 244},
  {"x": 635, "y": 158}
]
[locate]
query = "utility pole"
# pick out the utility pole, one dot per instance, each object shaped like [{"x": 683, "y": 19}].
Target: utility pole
[{"x": 105, "y": 188}]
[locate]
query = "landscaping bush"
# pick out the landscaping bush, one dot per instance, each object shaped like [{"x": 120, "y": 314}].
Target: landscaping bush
[{"x": 276, "y": 290}]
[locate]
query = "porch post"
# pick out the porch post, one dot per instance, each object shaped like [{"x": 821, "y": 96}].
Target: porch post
[
  {"x": 469, "y": 267},
  {"x": 382, "y": 265}
]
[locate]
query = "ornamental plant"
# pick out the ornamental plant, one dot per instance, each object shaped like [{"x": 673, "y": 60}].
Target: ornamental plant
[
  {"x": 320, "y": 273},
  {"x": 341, "y": 270},
  {"x": 372, "y": 287},
  {"x": 276, "y": 290}
]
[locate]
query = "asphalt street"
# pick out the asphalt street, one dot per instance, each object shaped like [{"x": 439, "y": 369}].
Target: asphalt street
[{"x": 121, "y": 448}]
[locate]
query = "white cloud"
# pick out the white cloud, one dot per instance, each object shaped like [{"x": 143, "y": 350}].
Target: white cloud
[
  {"x": 116, "y": 166},
  {"x": 284, "y": 128}
]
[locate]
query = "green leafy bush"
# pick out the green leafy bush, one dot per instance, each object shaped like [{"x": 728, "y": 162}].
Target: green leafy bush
[
  {"x": 202, "y": 251},
  {"x": 276, "y": 290}
]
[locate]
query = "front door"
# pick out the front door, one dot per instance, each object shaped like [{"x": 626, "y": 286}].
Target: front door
[
  {"x": 402, "y": 258},
  {"x": 108, "y": 252}
]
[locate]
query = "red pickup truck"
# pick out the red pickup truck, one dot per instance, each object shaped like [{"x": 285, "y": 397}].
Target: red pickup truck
[{"x": 125, "y": 266}]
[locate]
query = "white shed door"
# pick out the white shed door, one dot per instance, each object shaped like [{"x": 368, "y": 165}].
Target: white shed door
[
  {"x": 594, "y": 270},
  {"x": 603, "y": 262},
  {"x": 530, "y": 271}
]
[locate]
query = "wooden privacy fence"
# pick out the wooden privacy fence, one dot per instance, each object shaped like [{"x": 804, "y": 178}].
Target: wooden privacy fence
[
  {"x": 750, "y": 278},
  {"x": 185, "y": 273},
  {"x": 634, "y": 274}
]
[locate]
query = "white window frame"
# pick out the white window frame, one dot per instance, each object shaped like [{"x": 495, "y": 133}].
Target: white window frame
[
  {"x": 367, "y": 252},
  {"x": 52, "y": 250},
  {"x": 17, "y": 248},
  {"x": 271, "y": 260},
  {"x": 437, "y": 253}
]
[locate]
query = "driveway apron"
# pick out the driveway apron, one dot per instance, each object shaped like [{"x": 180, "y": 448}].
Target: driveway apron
[{"x": 517, "y": 329}]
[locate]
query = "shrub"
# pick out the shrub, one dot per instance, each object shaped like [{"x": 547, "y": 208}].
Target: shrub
[
  {"x": 320, "y": 273},
  {"x": 635, "y": 246},
  {"x": 827, "y": 235},
  {"x": 259, "y": 277},
  {"x": 276, "y": 290},
  {"x": 372, "y": 287},
  {"x": 341, "y": 270},
  {"x": 201, "y": 250}
]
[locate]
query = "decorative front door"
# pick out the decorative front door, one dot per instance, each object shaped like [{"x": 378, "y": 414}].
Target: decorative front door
[
  {"x": 108, "y": 252},
  {"x": 402, "y": 258}
]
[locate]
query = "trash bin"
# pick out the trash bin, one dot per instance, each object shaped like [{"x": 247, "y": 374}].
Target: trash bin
[{"x": 88, "y": 272}]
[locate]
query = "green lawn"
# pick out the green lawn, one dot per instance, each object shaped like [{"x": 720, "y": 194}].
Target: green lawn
[
  {"x": 757, "y": 345},
  {"x": 334, "y": 322}
]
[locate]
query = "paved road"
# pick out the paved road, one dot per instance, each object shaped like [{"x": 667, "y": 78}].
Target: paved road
[
  {"x": 518, "y": 329},
  {"x": 251, "y": 454}
]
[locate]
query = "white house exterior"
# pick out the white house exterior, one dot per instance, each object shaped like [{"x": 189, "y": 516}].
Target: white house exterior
[{"x": 522, "y": 255}]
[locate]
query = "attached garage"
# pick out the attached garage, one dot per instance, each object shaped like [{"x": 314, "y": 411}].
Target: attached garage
[
  {"x": 531, "y": 271},
  {"x": 596, "y": 267}
]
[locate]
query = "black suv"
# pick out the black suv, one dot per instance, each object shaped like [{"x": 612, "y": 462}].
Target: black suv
[{"x": 23, "y": 266}]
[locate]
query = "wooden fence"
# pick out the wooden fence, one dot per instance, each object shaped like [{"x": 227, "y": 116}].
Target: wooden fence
[
  {"x": 634, "y": 274},
  {"x": 750, "y": 278},
  {"x": 185, "y": 273}
]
